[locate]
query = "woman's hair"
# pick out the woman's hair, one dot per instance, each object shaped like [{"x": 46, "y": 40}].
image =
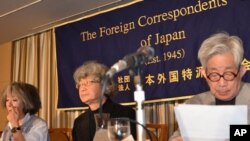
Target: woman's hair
[
  {"x": 221, "y": 43},
  {"x": 27, "y": 93},
  {"x": 93, "y": 68}
]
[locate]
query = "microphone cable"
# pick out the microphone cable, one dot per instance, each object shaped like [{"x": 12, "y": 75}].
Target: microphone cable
[
  {"x": 144, "y": 127},
  {"x": 104, "y": 85}
]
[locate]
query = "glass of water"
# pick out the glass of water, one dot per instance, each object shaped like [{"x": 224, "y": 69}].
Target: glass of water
[{"x": 118, "y": 129}]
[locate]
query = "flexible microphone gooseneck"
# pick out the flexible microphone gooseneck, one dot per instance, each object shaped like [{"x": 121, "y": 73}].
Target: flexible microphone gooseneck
[{"x": 131, "y": 60}]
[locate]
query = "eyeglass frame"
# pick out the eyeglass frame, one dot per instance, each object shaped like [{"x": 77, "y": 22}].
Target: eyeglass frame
[
  {"x": 223, "y": 75},
  {"x": 87, "y": 83}
]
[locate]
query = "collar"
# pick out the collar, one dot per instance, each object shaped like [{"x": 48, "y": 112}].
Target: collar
[
  {"x": 220, "y": 102},
  {"x": 106, "y": 106}
]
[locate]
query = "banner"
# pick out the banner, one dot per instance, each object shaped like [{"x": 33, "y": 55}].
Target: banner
[{"x": 175, "y": 29}]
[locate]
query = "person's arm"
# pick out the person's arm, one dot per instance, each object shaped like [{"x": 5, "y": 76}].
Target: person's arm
[
  {"x": 18, "y": 136},
  {"x": 13, "y": 116}
]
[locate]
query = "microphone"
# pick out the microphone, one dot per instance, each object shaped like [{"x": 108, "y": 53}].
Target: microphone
[{"x": 131, "y": 60}]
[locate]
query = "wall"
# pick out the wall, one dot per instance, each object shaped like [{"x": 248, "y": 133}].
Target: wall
[{"x": 5, "y": 71}]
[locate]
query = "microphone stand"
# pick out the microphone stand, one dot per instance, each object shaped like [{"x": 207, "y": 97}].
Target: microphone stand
[
  {"x": 104, "y": 85},
  {"x": 139, "y": 97},
  {"x": 101, "y": 133}
]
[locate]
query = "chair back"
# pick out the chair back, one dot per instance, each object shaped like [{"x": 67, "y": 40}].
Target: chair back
[
  {"x": 60, "y": 134},
  {"x": 159, "y": 132}
]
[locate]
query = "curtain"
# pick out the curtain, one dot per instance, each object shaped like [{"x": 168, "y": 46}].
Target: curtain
[{"x": 34, "y": 62}]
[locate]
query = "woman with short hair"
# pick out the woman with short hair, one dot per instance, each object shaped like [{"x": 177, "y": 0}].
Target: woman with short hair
[{"x": 22, "y": 102}]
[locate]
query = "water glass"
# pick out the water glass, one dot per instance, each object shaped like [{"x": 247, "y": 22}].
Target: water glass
[{"x": 118, "y": 129}]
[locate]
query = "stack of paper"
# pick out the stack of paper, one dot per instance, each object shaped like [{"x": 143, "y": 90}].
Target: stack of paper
[{"x": 208, "y": 123}]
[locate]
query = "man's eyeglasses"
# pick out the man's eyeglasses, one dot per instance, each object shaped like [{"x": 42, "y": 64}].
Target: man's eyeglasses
[
  {"x": 228, "y": 76},
  {"x": 86, "y": 83}
]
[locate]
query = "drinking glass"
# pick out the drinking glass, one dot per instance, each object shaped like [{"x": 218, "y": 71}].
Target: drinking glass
[{"x": 118, "y": 129}]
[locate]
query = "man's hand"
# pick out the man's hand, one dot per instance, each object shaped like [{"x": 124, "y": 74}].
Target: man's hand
[{"x": 177, "y": 138}]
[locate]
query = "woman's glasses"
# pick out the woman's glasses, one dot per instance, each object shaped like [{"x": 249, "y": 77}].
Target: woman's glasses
[{"x": 86, "y": 83}]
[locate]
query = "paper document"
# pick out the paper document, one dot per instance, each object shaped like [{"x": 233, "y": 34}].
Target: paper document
[{"x": 208, "y": 123}]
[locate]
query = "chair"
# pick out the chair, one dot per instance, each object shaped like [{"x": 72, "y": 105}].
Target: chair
[
  {"x": 158, "y": 131},
  {"x": 152, "y": 135},
  {"x": 60, "y": 134}
]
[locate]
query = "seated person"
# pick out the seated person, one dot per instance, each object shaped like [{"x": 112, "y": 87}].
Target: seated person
[
  {"x": 221, "y": 56},
  {"x": 88, "y": 79},
  {"x": 22, "y": 102}
]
